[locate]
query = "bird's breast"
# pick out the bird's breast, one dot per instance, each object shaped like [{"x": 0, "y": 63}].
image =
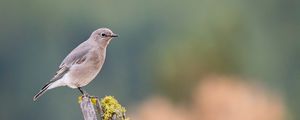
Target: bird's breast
[{"x": 96, "y": 59}]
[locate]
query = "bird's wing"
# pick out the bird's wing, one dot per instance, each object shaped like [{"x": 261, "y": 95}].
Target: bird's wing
[{"x": 77, "y": 56}]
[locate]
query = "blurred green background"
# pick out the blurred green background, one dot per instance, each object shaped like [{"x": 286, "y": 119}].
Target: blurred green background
[{"x": 164, "y": 47}]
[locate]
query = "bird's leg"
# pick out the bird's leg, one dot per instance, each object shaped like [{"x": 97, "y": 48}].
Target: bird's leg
[{"x": 83, "y": 92}]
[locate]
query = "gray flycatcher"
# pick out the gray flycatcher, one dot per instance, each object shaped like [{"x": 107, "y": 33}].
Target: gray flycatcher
[{"x": 83, "y": 64}]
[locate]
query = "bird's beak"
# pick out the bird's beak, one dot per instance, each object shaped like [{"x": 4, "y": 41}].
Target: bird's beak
[{"x": 114, "y": 35}]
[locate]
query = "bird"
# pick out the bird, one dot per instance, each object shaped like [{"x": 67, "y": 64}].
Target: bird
[{"x": 82, "y": 64}]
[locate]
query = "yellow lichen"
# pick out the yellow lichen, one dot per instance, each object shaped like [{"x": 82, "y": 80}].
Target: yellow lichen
[
  {"x": 94, "y": 100},
  {"x": 79, "y": 99},
  {"x": 112, "y": 107}
]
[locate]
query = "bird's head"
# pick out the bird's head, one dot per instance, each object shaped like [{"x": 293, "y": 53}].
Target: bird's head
[{"x": 103, "y": 35}]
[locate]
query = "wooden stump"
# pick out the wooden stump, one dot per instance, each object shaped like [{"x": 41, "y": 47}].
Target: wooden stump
[
  {"x": 106, "y": 109},
  {"x": 90, "y": 107}
]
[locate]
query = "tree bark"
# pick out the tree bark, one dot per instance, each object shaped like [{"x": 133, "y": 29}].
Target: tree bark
[
  {"x": 90, "y": 107},
  {"x": 106, "y": 109}
]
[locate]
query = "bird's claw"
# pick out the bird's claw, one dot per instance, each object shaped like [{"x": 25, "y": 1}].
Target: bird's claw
[{"x": 85, "y": 94}]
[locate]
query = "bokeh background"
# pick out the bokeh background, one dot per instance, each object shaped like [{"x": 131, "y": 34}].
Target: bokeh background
[{"x": 174, "y": 59}]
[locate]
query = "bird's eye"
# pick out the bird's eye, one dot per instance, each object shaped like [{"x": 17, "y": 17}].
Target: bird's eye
[{"x": 103, "y": 34}]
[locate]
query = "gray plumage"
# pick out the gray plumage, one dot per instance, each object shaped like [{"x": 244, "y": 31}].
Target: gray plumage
[{"x": 82, "y": 64}]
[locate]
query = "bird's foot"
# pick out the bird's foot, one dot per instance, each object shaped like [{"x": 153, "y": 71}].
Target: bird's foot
[
  {"x": 83, "y": 92},
  {"x": 86, "y": 94}
]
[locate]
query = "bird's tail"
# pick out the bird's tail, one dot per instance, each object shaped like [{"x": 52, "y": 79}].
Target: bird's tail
[{"x": 42, "y": 91}]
